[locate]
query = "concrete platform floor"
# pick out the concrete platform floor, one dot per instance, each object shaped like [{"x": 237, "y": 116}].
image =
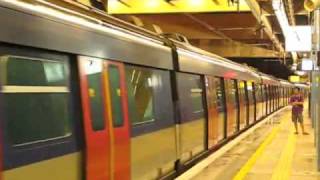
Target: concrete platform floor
[{"x": 273, "y": 151}]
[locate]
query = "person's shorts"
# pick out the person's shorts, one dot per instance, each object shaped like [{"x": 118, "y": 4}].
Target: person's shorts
[{"x": 297, "y": 117}]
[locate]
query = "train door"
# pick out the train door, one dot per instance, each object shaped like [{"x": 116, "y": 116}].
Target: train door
[
  {"x": 216, "y": 110},
  {"x": 105, "y": 116}
]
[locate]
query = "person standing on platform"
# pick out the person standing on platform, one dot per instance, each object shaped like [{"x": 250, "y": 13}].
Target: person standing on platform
[{"x": 296, "y": 100}]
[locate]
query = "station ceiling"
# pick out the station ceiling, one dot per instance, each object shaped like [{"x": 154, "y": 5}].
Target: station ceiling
[
  {"x": 231, "y": 30},
  {"x": 174, "y": 6},
  {"x": 229, "y": 33}
]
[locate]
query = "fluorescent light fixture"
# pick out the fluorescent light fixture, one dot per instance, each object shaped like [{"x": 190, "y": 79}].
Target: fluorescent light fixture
[
  {"x": 300, "y": 73},
  {"x": 298, "y": 38},
  {"x": 294, "y": 78},
  {"x": 307, "y": 65}
]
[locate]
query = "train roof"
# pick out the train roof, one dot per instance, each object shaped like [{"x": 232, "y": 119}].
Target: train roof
[
  {"x": 63, "y": 30},
  {"x": 196, "y": 60},
  {"x": 112, "y": 39},
  {"x": 302, "y": 85},
  {"x": 286, "y": 83},
  {"x": 268, "y": 79}
]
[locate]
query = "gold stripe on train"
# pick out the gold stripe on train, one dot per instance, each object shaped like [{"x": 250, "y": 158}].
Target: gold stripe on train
[{"x": 67, "y": 167}]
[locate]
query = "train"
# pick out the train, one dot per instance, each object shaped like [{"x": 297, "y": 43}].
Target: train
[{"x": 88, "y": 99}]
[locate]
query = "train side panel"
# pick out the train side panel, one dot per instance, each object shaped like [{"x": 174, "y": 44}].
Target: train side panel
[
  {"x": 40, "y": 101},
  {"x": 153, "y": 131}
]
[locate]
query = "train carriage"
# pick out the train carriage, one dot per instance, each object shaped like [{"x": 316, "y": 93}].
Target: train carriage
[{"x": 228, "y": 93}]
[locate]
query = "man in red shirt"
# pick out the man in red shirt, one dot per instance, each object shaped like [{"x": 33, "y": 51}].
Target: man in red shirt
[{"x": 296, "y": 100}]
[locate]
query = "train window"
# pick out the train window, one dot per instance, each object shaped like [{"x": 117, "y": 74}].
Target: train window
[
  {"x": 141, "y": 83},
  {"x": 196, "y": 96},
  {"x": 115, "y": 95},
  {"x": 220, "y": 95},
  {"x": 36, "y": 99},
  {"x": 94, "y": 76},
  {"x": 221, "y": 107},
  {"x": 192, "y": 93},
  {"x": 36, "y": 72}
]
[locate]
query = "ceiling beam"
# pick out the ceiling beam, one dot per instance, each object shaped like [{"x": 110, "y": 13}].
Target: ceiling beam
[
  {"x": 227, "y": 48},
  {"x": 257, "y": 12}
]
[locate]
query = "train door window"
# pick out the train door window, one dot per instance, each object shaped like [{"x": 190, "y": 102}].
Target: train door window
[
  {"x": 140, "y": 85},
  {"x": 250, "y": 92},
  {"x": 243, "y": 104},
  {"x": 267, "y": 98},
  {"x": 196, "y": 95},
  {"x": 275, "y": 97},
  {"x": 115, "y": 93},
  {"x": 35, "y": 85},
  {"x": 270, "y": 98},
  {"x": 94, "y": 76},
  {"x": 258, "y": 101},
  {"x": 221, "y": 106},
  {"x": 285, "y": 96},
  {"x": 262, "y": 98},
  {"x": 216, "y": 114},
  {"x": 232, "y": 106},
  {"x": 266, "y": 95}
]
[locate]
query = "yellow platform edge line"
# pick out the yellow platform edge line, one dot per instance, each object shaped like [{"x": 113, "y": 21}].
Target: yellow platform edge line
[
  {"x": 250, "y": 163},
  {"x": 283, "y": 168}
]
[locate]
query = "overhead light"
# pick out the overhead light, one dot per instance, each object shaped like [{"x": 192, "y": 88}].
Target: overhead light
[
  {"x": 300, "y": 73},
  {"x": 306, "y": 64},
  {"x": 294, "y": 79},
  {"x": 153, "y": 3},
  {"x": 195, "y": 2},
  {"x": 298, "y": 38},
  {"x": 311, "y": 5}
]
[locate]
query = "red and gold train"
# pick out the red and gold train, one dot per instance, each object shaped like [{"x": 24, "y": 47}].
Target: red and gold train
[{"x": 88, "y": 99}]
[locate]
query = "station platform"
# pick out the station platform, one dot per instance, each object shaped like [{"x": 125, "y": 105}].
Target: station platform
[{"x": 270, "y": 151}]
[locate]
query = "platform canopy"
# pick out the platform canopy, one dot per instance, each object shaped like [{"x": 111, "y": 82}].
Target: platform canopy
[{"x": 174, "y": 6}]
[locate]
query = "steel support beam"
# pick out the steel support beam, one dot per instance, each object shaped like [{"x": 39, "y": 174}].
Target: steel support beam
[
  {"x": 315, "y": 84},
  {"x": 257, "y": 12}
]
